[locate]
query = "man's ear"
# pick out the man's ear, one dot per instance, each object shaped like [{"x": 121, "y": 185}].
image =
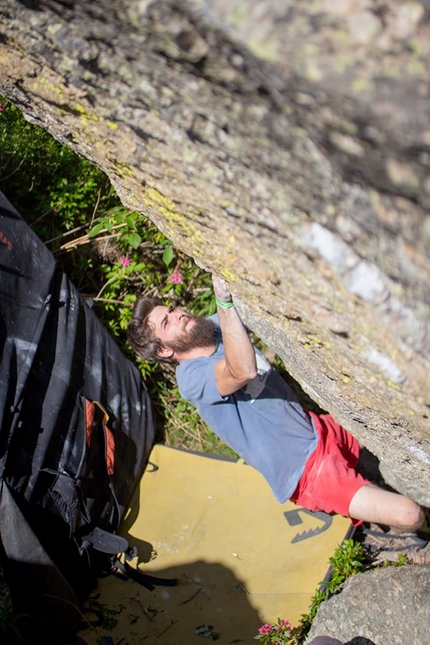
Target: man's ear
[{"x": 165, "y": 352}]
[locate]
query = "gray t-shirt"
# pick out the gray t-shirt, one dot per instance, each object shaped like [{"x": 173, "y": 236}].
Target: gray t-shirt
[{"x": 262, "y": 422}]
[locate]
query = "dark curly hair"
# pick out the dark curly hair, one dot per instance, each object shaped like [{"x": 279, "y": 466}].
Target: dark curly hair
[{"x": 140, "y": 335}]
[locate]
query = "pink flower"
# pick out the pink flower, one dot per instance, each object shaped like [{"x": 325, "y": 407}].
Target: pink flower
[
  {"x": 1, "y": 107},
  {"x": 125, "y": 261},
  {"x": 285, "y": 623},
  {"x": 265, "y": 629},
  {"x": 176, "y": 278}
]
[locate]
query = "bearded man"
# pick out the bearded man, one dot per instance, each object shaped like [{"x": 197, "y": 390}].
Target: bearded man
[{"x": 305, "y": 457}]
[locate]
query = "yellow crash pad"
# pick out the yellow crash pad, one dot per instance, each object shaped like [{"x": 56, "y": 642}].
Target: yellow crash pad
[{"x": 241, "y": 558}]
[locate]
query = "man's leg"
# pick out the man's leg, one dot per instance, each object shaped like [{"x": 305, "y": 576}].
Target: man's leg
[
  {"x": 373, "y": 504},
  {"x": 331, "y": 483}
]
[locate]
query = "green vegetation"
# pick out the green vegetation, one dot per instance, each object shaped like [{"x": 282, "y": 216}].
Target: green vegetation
[{"x": 111, "y": 254}]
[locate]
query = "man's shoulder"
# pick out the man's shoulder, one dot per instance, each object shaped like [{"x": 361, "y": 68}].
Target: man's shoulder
[
  {"x": 196, "y": 379},
  {"x": 190, "y": 365},
  {"x": 199, "y": 364}
]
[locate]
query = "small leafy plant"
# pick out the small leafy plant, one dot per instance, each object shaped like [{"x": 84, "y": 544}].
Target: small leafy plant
[{"x": 276, "y": 634}]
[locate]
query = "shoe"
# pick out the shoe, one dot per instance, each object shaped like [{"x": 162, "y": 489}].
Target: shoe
[
  {"x": 387, "y": 546},
  {"x": 395, "y": 541}
]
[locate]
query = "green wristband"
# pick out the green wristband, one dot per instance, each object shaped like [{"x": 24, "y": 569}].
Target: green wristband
[{"x": 224, "y": 305}]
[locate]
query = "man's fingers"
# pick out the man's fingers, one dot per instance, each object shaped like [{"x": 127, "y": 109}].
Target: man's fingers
[{"x": 222, "y": 292}]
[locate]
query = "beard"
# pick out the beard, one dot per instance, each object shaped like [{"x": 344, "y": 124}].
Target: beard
[{"x": 201, "y": 334}]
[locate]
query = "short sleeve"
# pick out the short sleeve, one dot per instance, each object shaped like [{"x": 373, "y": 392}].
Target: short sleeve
[{"x": 196, "y": 381}]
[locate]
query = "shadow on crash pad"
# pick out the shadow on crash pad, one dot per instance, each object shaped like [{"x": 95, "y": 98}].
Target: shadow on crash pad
[{"x": 240, "y": 557}]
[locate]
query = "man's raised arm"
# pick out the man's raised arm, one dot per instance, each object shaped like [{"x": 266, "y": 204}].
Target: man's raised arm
[{"x": 238, "y": 367}]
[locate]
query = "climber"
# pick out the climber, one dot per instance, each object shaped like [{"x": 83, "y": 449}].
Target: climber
[{"x": 305, "y": 457}]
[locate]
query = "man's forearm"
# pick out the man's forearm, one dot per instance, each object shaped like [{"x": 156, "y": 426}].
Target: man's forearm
[
  {"x": 239, "y": 366},
  {"x": 238, "y": 349}
]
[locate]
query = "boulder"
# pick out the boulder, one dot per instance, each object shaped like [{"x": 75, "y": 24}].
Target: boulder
[{"x": 389, "y": 605}]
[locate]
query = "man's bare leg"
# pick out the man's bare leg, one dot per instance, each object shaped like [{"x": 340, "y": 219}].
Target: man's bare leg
[{"x": 373, "y": 504}]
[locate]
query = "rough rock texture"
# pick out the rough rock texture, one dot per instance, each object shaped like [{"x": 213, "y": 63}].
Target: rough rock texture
[
  {"x": 390, "y": 605},
  {"x": 285, "y": 145}
]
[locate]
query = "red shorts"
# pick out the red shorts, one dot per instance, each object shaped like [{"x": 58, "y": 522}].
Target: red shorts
[{"x": 330, "y": 482}]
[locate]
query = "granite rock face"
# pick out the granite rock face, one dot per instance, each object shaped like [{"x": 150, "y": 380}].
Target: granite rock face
[
  {"x": 284, "y": 145},
  {"x": 390, "y": 605}
]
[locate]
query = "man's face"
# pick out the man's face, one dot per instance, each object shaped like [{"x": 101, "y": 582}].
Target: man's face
[{"x": 179, "y": 330}]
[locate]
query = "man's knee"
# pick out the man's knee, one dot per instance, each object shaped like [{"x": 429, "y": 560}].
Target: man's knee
[
  {"x": 411, "y": 516},
  {"x": 415, "y": 515}
]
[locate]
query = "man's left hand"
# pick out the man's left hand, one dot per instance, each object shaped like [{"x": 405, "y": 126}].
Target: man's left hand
[{"x": 222, "y": 292}]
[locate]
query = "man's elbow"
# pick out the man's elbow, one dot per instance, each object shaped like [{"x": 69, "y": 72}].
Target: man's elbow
[
  {"x": 247, "y": 374},
  {"x": 231, "y": 379},
  {"x": 252, "y": 373}
]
